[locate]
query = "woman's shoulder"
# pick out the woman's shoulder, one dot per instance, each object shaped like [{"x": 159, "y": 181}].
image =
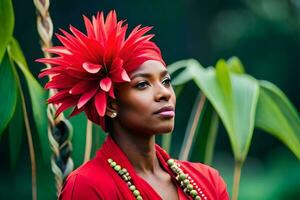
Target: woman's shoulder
[
  {"x": 209, "y": 176},
  {"x": 199, "y": 167},
  {"x": 87, "y": 181},
  {"x": 91, "y": 168}
]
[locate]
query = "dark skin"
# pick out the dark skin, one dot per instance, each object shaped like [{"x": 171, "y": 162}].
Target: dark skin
[{"x": 137, "y": 123}]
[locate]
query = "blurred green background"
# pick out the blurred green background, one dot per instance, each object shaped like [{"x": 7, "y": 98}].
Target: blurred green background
[{"x": 264, "y": 34}]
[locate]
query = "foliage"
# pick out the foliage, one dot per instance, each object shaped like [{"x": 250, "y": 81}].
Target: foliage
[
  {"x": 13, "y": 61},
  {"x": 242, "y": 102},
  {"x": 225, "y": 92}
]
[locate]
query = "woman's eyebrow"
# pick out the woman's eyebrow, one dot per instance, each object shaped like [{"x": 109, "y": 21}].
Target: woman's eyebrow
[
  {"x": 145, "y": 75},
  {"x": 148, "y": 75}
]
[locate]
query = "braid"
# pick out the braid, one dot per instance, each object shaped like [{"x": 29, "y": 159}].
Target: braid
[{"x": 59, "y": 129}]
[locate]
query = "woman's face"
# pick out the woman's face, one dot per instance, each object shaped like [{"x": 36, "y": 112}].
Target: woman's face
[{"x": 146, "y": 105}]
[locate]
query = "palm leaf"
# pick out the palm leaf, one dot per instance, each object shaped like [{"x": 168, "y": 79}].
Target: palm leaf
[
  {"x": 15, "y": 130},
  {"x": 8, "y": 91},
  {"x": 234, "y": 97},
  {"x": 7, "y": 25},
  {"x": 276, "y": 115},
  {"x": 37, "y": 95}
]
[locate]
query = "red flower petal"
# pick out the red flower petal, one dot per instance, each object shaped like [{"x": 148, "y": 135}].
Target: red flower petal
[
  {"x": 99, "y": 28},
  {"x": 69, "y": 41},
  {"x": 105, "y": 84},
  {"x": 58, "y": 85},
  {"x": 91, "y": 68},
  {"x": 78, "y": 64},
  {"x": 117, "y": 73},
  {"x": 89, "y": 27},
  {"x": 51, "y": 71},
  {"x": 84, "y": 41},
  {"x": 75, "y": 74},
  {"x": 110, "y": 48},
  {"x": 125, "y": 76},
  {"x": 119, "y": 76},
  {"x": 82, "y": 87},
  {"x": 133, "y": 37},
  {"x": 116, "y": 64},
  {"x": 65, "y": 105},
  {"x": 60, "y": 82},
  {"x": 86, "y": 97},
  {"x": 52, "y": 61},
  {"x": 111, "y": 93},
  {"x": 76, "y": 111},
  {"x": 58, "y": 97},
  {"x": 111, "y": 21},
  {"x": 60, "y": 50},
  {"x": 72, "y": 43},
  {"x": 100, "y": 103}
]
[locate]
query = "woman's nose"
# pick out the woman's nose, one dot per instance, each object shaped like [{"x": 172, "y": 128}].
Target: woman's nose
[{"x": 162, "y": 92}]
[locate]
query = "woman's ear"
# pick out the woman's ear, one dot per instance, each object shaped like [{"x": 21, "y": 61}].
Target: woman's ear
[{"x": 111, "y": 108}]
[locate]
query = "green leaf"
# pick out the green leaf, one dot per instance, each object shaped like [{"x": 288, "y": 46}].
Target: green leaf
[
  {"x": 210, "y": 133},
  {"x": 185, "y": 75},
  {"x": 176, "y": 66},
  {"x": 182, "y": 78},
  {"x": 98, "y": 138},
  {"x": 7, "y": 25},
  {"x": 225, "y": 88},
  {"x": 276, "y": 115},
  {"x": 16, "y": 130},
  {"x": 79, "y": 123},
  {"x": 234, "y": 97},
  {"x": 200, "y": 134},
  {"x": 246, "y": 92},
  {"x": 178, "y": 89},
  {"x": 166, "y": 141},
  {"x": 235, "y": 65},
  {"x": 205, "y": 137},
  {"x": 190, "y": 133},
  {"x": 8, "y": 91},
  {"x": 38, "y": 97}
]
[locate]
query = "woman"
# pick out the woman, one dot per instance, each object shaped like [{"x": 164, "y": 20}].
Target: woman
[{"x": 122, "y": 84}]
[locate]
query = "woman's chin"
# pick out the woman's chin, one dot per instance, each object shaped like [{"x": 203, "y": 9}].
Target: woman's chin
[
  {"x": 166, "y": 129},
  {"x": 165, "y": 133}
]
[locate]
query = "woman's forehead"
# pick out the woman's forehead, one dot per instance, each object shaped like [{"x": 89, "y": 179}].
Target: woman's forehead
[{"x": 150, "y": 67}]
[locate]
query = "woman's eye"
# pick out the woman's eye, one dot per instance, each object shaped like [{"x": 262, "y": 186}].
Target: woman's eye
[
  {"x": 142, "y": 85},
  {"x": 167, "y": 81}
]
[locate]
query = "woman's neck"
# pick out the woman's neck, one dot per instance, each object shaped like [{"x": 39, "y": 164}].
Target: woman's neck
[{"x": 140, "y": 151}]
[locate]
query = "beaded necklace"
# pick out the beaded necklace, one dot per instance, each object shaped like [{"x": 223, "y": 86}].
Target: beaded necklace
[{"x": 186, "y": 182}]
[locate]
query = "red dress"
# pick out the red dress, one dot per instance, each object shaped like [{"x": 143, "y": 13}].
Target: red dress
[{"x": 96, "y": 180}]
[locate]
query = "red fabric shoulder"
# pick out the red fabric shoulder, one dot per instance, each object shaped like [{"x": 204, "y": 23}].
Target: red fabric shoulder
[{"x": 90, "y": 181}]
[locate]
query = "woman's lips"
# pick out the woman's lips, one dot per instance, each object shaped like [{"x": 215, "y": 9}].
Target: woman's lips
[{"x": 166, "y": 113}]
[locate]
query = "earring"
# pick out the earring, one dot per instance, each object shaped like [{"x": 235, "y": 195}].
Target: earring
[{"x": 113, "y": 115}]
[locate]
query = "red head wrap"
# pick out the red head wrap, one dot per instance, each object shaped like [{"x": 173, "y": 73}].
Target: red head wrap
[{"x": 87, "y": 65}]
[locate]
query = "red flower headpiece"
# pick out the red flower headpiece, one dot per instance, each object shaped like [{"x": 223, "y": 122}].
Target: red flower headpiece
[{"x": 86, "y": 66}]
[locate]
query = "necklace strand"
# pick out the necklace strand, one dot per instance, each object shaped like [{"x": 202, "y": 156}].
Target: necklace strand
[
  {"x": 186, "y": 182},
  {"x": 126, "y": 177}
]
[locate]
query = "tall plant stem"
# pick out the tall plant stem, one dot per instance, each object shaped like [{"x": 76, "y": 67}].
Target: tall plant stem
[
  {"x": 236, "y": 179},
  {"x": 191, "y": 130},
  {"x": 88, "y": 141},
  {"x": 31, "y": 148},
  {"x": 29, "y": 140}
]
